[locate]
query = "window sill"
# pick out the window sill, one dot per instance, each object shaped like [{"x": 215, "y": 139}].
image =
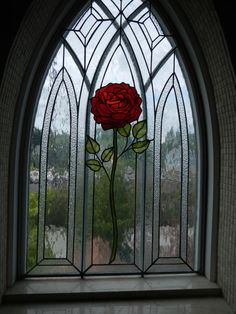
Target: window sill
[{"x": 74, "y": 289}]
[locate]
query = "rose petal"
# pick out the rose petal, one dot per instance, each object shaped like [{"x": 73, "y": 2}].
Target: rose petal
[{"x": 116, "y": 105}]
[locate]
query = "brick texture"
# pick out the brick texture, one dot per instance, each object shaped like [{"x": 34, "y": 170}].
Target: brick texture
[
  {"x": 21, "y": 52},
  {"x": 205, "y": 23}
]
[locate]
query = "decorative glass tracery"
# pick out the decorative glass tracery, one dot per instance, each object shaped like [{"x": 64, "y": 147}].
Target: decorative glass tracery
[{"x": 70, "y": 225}]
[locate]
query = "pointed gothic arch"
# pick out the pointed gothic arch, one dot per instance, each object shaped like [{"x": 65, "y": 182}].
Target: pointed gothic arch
[{"x": 124, "y": 26}]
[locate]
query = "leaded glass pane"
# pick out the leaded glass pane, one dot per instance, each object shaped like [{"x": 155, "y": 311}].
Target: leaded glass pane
[{"x": 113, "y": 154}]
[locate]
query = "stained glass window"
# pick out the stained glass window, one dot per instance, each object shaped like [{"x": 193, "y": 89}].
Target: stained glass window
[{"x": 114, "y": 167}]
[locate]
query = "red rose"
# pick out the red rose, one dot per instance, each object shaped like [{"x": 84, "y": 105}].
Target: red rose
[{"x": 116, "y": 105}]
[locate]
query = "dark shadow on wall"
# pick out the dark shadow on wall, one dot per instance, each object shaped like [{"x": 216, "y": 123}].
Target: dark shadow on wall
[
  {"x": 11, "y": 15},
  {"x": 227, "y": 15}
]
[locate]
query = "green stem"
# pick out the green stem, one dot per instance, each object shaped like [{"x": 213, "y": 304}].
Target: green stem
[
  {"x": 112, "y": 199},
  {"x": 126, "y": 148}
]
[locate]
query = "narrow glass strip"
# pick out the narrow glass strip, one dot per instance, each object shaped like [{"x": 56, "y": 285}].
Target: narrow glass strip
[
  {"x": 157, "y": 165},
  {"x": 139, "y": 200},
  {"x": 81, "y": 181},
  {"x": 43, "y": 162},
  {"x": 185, "y": 167},
  {"x": 72, "y": 174},
  {"x": 57, "y": 195}
]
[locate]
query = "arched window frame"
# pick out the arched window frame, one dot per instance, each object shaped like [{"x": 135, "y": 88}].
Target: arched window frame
[{"x": 205, "y": 112}]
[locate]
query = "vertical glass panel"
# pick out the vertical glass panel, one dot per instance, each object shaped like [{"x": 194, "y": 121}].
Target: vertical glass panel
[
  {"x": 124, "y": 195},
  {"x": 125, "y": 199},
  {"x": 88, "y": 254},
  {"x": 102, "y": 223},
  {"x": 157, "y": 168},
  {"x": 170, "y": 198},
  {"x": 57, "y": 178},
  {"x": 102, "y": 219},
  {"x": 193, "y": 174},
  {"x": 148, "y": 215},
  {"x": 192, "y": 202},
  {"x": 33, "y": 198},
  {"x": 185, "y": 167}
]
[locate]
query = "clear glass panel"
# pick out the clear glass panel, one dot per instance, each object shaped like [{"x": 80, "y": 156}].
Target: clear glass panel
[
  {"x": 125, "y": 198},
  {"x": 192, "y": 202},
  {"x": 118, "y": 69},
  {"x": 193, "y": 174},
  {"x": 170, "y": 198},
  {"x": 105, "y": 197},
  {"x": 56, "y": 218},
  {"x": 162, "y": 76},
  {"x": 33, "y": 198}
]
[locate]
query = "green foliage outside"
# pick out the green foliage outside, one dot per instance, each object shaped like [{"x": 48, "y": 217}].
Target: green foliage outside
[
  {"x": 58, "y": 146},
  {"x": 56, "y": 206},
  {"x": 58, "y": 151},
  {"x": 171, "y": 185},
  {"x": 33, "y": 231},
  {"x": 35, "y": 149},
  {"x": 134, "y": 141},
  {"x": 125, "y": 202},
  {"x": 57, "y": 196}
]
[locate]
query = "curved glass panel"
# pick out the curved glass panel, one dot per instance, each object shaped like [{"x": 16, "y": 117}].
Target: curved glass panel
[{"x": 113, "y": 152}]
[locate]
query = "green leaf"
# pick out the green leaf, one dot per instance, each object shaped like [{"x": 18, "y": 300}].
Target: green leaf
[
  {"x": 140, "y": 129},
  {"x": 107, "y": 154},
  {"x": 141, "y": 146},
  {"x": 125, "y": 130},
  {"x": 93, "y": 164},
  {"x": 92, "y": 146}
]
